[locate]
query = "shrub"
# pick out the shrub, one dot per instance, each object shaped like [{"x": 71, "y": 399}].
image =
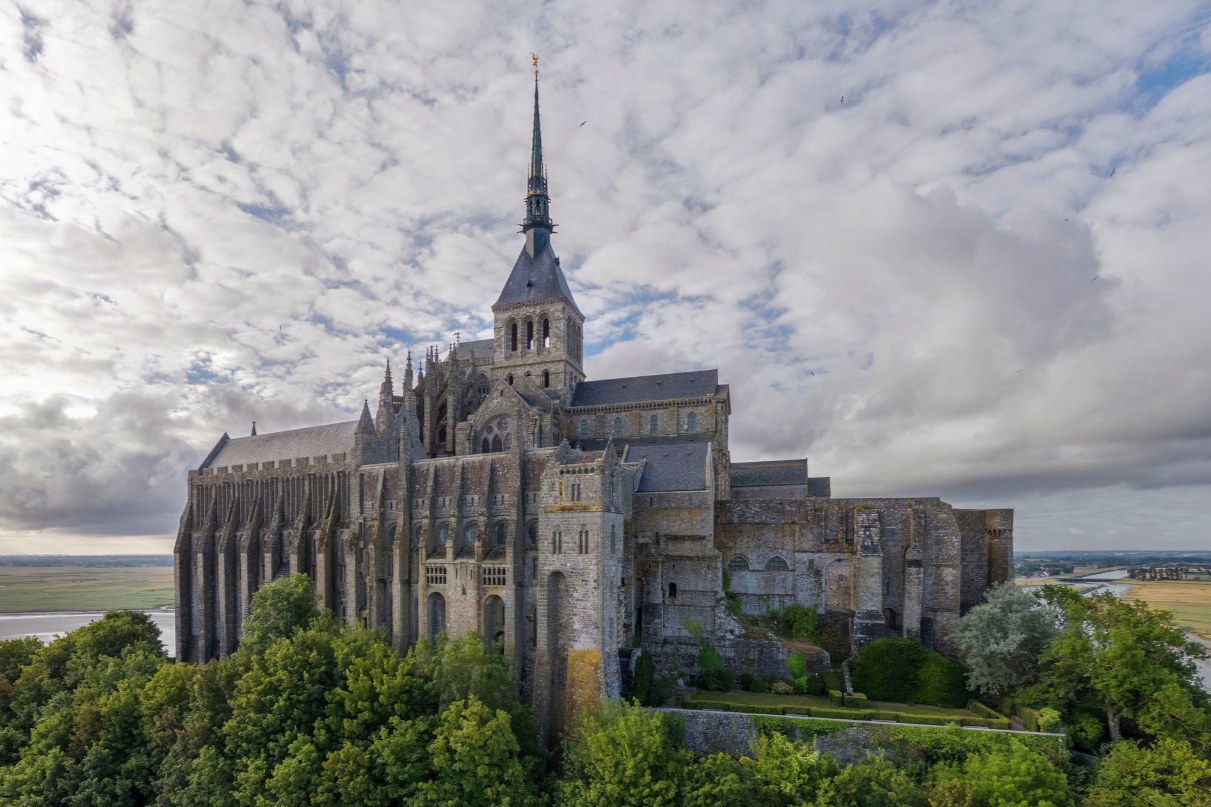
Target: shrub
[
  {"x": 831, "y": 680},
  {"x": 942, "y": 682},
  {"x": 799, "y": 622},
  {"x": 855, "y": 699},
  {"x": 1030, "y": 717},
  {"x": 645, "y": 674},
  {"x": 815, "y": 685},
  {"x": 796, "y": 665},
  {"x": 712, "y": 674},
  {"x": 1049, "y": 720},
  {"x": 834, "y": 695},
  {"x": 886, "y": 669},
  {"x": 747, "y": 681},
  {"x": 781, "y": 688},
  {"x": 984, "y": 711},
  {"x": 800, "y": 685}
]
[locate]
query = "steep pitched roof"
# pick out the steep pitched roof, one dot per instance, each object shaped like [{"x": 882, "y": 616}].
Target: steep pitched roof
[
  {"x": 646, "y": 388},
  {"x": 670, "y": 467},
  {"x": 535, "y": 278},
  {"x": 313, "y": 441},
  {"x": 479, "y": 349}
]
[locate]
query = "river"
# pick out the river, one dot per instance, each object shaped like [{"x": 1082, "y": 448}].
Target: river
[{"x": 48, "y": 625}]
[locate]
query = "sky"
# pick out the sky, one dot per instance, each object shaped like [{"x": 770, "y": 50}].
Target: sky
[{"x": 954, "y": 249}]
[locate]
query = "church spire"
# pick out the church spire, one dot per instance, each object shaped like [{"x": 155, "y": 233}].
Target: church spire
[{"x": 537, "y": 225}]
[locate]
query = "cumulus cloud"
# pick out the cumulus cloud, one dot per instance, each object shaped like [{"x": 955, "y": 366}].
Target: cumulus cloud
[{"x": 940, "y": 248}]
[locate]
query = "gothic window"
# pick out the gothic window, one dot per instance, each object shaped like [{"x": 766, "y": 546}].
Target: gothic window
[
  {"x": 776, "y": 564},
  {"x": 513, "y": 338},
  {"x": 416, "y": 536},
  {"x": 618, "y": 427},
  {"x": 738, "y": 563},
  {"x": 557, "y": 542},
  {"x": 497, "y": 443},
  {"x": 485, "y": 446},
  {"x": 529, "y": 334},
  {"x": 582, "y": 543},
  {"x": 546, "y": 378},
  {"x": 691, "y": 422},
  {"x": 443, "y": 534},
  {"x": 470, "y": 533},
  {"x": 532, "y": 533},
  {"x": 582, "y": 428},
  {"x": 546, "y": 332},
  {"x": 508, "y": 441},
  {"x": 502, "y": 533},
  {"x": 654, "y": 424}
]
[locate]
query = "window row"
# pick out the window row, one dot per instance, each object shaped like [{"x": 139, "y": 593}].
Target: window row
[
  {"x": 582, "y": 541},
  {"x": 739, "y": 563},
  {"x": 584, "y": 429},
  {"x": 471, "y": 534},
  {"x": 541, "y": 333}
]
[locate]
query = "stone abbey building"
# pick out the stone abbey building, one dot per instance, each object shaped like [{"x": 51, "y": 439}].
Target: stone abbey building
[{"x": 571, "y": 520}]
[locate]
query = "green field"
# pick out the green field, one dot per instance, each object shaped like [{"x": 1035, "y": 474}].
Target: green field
[{"x": 84, "y": 588}]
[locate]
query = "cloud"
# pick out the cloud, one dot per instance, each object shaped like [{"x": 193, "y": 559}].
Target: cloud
[{"x": 978, "y": 275}]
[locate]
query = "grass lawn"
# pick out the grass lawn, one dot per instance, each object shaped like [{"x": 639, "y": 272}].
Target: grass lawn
[
  {"x": 79, "y": 588},
  {"x": 1189, "y": 600},
  {"x": 765, "y": 699}
]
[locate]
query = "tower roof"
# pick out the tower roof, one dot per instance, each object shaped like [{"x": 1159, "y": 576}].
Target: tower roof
[{"x": 535, "y": 278}]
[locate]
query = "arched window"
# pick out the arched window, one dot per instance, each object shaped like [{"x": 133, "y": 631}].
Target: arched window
[
  {"x": 509, "y": 379},
  {"x": 776, "y": 564},
  {"x": 890, "y": 620},
  {"x": 532, "y": 533},
  {"x": 618, "y": 427},
  {"x": 502, "y": 533},
  {"x": 654, "y": 424},
  {"x": 582, "y": 543},
  {"x": 470, "y": 533},
  {"x": 672, "y": 591},
  {"x": 546, "y": 332},
  {"x": 691, "y": 422},
  {"x": 443, "y": 534},
  {"x": 485, "y": 446},
  {"x": 739, "y": 563},
  {"x": 417, "y": 535},
  {"x": 513, "y": 337},
  {"x": 529, "y": 334},
  {"x": 497, "y": 445},
  {"x": 546, "y": 378}
]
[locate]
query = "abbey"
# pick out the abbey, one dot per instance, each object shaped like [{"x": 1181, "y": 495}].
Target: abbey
[{"x": 575, "y": 522}]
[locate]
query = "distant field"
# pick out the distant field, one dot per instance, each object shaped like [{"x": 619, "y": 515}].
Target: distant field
[
  {"x": 83, "y": 588},
  {"x": 1189, "y": 600}
]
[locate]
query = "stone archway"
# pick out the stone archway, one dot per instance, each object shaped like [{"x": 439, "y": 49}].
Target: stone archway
[
  {"x": 436, "y": 615},
  {"x": 494, "y": 623}
]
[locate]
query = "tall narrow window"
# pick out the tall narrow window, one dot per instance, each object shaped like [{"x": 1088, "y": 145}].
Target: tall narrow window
[
  {"x": 513, "y": 337},
  {"x": 618, "y": 427},
  {"x": 582, "y": 544},
  {"x": 557, "y": 542},
  {"x": 546, "y": 378},
  {"x": 529, "y": 334},
  {"x": 502, "y": 533},
  {"x": 546, "y": 332},
  {"x": 485, "y": 446},
  {"x": 691, "y": 422},
  {"x": 654, "y": 424}
]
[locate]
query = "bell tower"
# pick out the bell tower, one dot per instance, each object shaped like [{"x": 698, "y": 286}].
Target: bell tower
[{"x": 539, "y": 331}]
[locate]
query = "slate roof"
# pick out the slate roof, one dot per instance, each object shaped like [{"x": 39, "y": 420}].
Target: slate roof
[
  {"x": 534, "y": 279},
  {"x": 679, "y": 466},
  {"x": 479, "y": 349},
  {"x": 313, "y": 441},
  {"x": 771, "y": 472},
  {"x": 637, "y": 389}
]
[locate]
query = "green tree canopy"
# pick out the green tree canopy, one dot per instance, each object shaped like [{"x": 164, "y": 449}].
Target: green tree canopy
[
  {"x": 277, "y": 610},
  {"x": 1169, "y": 773},
  {"x": 1002, "y": 639}
]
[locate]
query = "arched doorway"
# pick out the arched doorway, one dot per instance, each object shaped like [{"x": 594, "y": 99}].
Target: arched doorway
[
  {"x": 494, "y": 623},
  {"x": 437, "y": 615}
]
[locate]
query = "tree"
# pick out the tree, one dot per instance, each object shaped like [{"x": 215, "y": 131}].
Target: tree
[
  {"x": 1131, "y": 658},
  {"x": 278, "y": 609},
  {"x": 1002, "y": 639},
  {"x": 1169, "y": 773},
  {"x": 1011, "y": 775},
  {"x": 785, "y": 772},
  {"x": 887, "y": 668},
  {"x": 475, "y": 760},
  {"x": 717, "y": 779},
  {"x": 872, "y": 783},
  {"x": 622, "y": 755}
]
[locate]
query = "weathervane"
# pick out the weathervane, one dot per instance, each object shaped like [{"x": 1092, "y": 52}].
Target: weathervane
[{"x": 534, "y": 59}]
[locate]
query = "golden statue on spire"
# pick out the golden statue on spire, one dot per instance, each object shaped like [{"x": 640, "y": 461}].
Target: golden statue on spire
[{"x": 534, "y": 59}]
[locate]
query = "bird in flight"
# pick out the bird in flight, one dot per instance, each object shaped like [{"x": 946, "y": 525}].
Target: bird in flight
[
  {"x": 842, "y": 99},
  {"x": 1112, "y": 170},
  {"x": 583, "y": 122}
]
